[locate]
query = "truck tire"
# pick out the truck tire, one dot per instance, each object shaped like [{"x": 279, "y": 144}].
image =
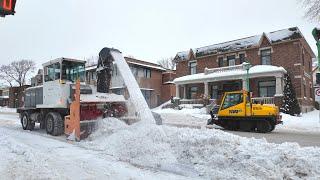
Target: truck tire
[
  {"x": 54, "y": 124},
  {"x": 26, "y": 123}
]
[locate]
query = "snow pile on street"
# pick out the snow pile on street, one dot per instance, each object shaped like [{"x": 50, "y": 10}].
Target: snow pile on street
[
  {"x": 307, "y": 122},
  {"x": 8, "y": 110},
  {"x": 205, "y": 153}
]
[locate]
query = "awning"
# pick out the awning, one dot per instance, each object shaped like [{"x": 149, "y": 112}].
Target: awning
[{"x": 231, "y": 73}]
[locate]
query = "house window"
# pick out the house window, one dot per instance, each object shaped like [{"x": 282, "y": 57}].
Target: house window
[
  {"x": 310, "y": 66},
  {"x": 147, "y": 73},
  {"x": 231, "y": 60},
  {"x": 220, "y": 61},
  {"x": 311, "y": 91},
  {"x": 193, "y": 92},
  {"x": 267, "y": 88},
  {"x": 193, "y": 67},
  {"x": 302, "y": 57},
  {"x": 242, "y": 58},
  {"x": 266, "y": 57}
]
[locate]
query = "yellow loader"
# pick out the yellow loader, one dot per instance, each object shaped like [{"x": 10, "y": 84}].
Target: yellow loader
[{"x": 238, "y": 112}]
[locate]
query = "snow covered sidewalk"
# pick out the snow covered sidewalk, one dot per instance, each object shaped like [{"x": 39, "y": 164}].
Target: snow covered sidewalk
[{"x": 308, "y": 122}]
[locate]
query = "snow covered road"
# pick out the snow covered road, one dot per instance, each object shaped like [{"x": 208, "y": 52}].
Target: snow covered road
[
  {"x": 119, "y": 151},
  {"x": 36, "y": 155},
  {"x": 303, "y": 130}
]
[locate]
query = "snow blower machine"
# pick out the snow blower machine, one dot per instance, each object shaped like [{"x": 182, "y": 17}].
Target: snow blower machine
[
  {"x": 65, "y": 104},
  {"x": 238, "y": 112}
]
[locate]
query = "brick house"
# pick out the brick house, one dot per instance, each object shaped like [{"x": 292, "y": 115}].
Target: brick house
[
  {"x": 155, "y": 82},
  {"x": 4, "y": 97},
  {"x": 212, "y": 70}
]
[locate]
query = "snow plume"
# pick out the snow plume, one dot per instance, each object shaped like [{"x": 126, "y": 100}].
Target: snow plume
[{"x": 205, "y": 153}]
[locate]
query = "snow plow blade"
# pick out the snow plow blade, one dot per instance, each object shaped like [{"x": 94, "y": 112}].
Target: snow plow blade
[{"x": 87, "y": 110}]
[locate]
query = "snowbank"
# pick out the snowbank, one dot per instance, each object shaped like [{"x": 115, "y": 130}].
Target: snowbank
[
  {"x": 206, "y": 153},
  {"x": 307, "y": 122},
  {"x": 8, "y": 110}
]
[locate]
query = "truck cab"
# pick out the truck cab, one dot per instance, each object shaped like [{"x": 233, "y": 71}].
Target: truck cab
[{"x": 59, "y": 76}]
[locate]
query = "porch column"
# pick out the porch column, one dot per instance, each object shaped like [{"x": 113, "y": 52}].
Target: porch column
[
  {"x": 279, "y": 89},
  {"x": 206, "y": 89},
  {"x": 244, "y": 84},
  {"x": 185, "y": 91},
  {"x": 177, "y": 91}
]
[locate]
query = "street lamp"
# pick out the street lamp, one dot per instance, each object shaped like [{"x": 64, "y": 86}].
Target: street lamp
[{"x": 247, "y": 66}]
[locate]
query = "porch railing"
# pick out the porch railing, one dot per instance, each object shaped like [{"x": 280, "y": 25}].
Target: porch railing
[
  {"x": 263, "y": 100},
  {"x": 224, "y": 69}
]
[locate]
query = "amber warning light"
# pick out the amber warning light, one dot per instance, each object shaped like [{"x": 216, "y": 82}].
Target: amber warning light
[{"x": 7, "y": 7}]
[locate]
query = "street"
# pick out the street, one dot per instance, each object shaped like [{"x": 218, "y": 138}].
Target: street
[{"x": 279, "y": 135}]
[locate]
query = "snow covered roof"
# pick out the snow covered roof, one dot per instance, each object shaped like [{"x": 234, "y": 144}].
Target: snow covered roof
[
  {"x": 235, "y": 72},
  {"x": 244, "y": 43},
  {"x": 147, "y": 65}
]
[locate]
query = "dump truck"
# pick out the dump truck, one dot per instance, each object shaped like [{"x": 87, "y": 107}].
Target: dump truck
[
  {"x": 65, "y": 104},
  {"x": 238, "y": 112}
]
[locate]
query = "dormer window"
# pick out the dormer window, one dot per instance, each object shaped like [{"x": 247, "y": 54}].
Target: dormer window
[
  {"x": 231, "y": 60},
  {"x": 265, "y": 57},
  {"x": 242, "y": 57}
]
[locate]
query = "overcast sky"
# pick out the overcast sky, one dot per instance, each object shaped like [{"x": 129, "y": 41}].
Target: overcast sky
[{"x": 148, "y": 30}]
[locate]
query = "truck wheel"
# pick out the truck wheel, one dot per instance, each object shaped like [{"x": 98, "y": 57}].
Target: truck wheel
[
  {"x": 263, "y": 126},
  {"x": 54, "y": 124},
  {"x": 26, "y": 122}
]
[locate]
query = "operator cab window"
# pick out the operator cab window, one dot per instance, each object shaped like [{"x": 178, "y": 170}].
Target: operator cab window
[
  {"x": 71, "y": 71},
  {"x": 52, "y": 72},
  {"x": 232, "y": 100}
]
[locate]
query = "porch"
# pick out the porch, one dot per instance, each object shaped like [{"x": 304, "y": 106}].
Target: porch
[{"x": 265, "y": 83}]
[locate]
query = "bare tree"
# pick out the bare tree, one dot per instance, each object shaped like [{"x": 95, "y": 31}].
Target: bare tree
[
  {"x": 17, "y": 71},
  {"x": 312, "y": 9},
  {"x": 167, "y": 63}
]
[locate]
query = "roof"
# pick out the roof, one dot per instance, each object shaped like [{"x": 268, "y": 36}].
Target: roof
[
  {"x": 229, "y": 73},
  {"x": 61, "y": 59},
  {"x": 244, "y": 43}
]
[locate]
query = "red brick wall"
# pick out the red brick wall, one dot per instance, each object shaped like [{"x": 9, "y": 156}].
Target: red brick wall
[{"x": 155, "y": 83}]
